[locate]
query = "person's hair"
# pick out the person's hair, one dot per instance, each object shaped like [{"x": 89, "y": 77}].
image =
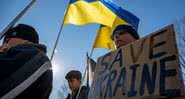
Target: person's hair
[{"x": 74, "y": 74}]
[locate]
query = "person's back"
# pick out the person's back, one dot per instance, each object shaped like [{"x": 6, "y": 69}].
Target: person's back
[{"x": 25, "y": 69}]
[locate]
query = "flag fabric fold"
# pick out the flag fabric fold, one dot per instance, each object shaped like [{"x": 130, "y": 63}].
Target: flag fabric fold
[
  {"x": 104, "y": 12},
  {"x": 81, "y": 12},
  {"x": 103, "y": 38}
]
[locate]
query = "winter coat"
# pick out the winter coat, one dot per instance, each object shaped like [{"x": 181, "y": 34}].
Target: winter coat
[
  {"x": 82, "y": 95},
  {"x": 25, "y": 72}
]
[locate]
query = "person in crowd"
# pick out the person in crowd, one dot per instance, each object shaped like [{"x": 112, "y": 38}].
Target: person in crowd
[
  {"x": 124, "y": 34},
  {"x": 74, "y": 78},
  {"x": 25, "y": 69}
]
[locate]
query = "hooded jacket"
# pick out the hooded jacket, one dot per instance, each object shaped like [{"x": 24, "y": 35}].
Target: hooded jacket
[
  {"x": 82, "y": 95},
  {"x": 25, "y": 72}
]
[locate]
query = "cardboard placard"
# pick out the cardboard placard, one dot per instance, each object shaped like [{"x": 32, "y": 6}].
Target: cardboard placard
[{"x": 147, "y": 68}]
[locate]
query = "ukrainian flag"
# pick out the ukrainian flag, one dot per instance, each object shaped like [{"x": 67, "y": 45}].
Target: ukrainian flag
[
  {"x": 81, "y": 12},
  {"x": 122, "y": 17}
]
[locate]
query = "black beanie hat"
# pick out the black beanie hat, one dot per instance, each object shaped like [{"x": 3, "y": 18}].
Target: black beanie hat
[
  {"x": 23, "y": 31},
  {"x": 127, "y": 28}
]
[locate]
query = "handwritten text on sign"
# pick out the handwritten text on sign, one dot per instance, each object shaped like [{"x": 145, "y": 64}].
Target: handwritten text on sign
[{"x": 145, "y": 68}]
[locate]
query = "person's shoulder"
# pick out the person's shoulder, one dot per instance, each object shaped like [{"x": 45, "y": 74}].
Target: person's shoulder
[
  {"x": 24, "y": 47},
  {"x": 30, "y": 47},
  {"x": 41, "y": 47},
  {"x": 85, "y": 88},
  {"x": 84, "y": 92},
  {"x": 68, "y": 96},
  {"x": 34, "y": 52}
]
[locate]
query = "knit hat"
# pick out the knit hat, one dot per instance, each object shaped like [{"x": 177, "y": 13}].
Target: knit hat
[
  {"x": 126, "y": 28},
  {"x": 23, "y": 31}
]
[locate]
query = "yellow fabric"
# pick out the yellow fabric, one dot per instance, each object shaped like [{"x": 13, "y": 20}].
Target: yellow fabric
[
  {"x": 82, "y": 12},
  {"x": 103, "y": 37}
]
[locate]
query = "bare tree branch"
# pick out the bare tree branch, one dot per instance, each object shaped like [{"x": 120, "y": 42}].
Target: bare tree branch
[{"x": 63, "y": 91}]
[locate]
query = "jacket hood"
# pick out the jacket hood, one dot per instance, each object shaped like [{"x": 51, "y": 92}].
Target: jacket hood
[{"x": 41, "y": 47}]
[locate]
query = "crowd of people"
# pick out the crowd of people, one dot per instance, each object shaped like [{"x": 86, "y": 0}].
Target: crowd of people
[{"x": 26, "y": 69}]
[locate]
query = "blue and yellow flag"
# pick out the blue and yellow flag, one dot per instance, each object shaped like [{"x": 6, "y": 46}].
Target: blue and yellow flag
[
  {"x": 81, "y": 12},
  {"x": 122, "y": 17}
]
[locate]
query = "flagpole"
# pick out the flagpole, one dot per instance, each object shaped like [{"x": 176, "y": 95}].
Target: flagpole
[
  {"x": 87, "y": 69},
  {"x": 59, "y": 33},
  {"x": 84, "y": 74},
  {"x": 88, "y": 66},
  {"x": 17, "y": 18},
  {"x": 92, "y": 50}
]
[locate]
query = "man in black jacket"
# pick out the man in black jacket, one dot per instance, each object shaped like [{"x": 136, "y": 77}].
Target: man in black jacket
[
  {"x": 25, "y": 69},
  {"x": 74, "y": 81}
]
